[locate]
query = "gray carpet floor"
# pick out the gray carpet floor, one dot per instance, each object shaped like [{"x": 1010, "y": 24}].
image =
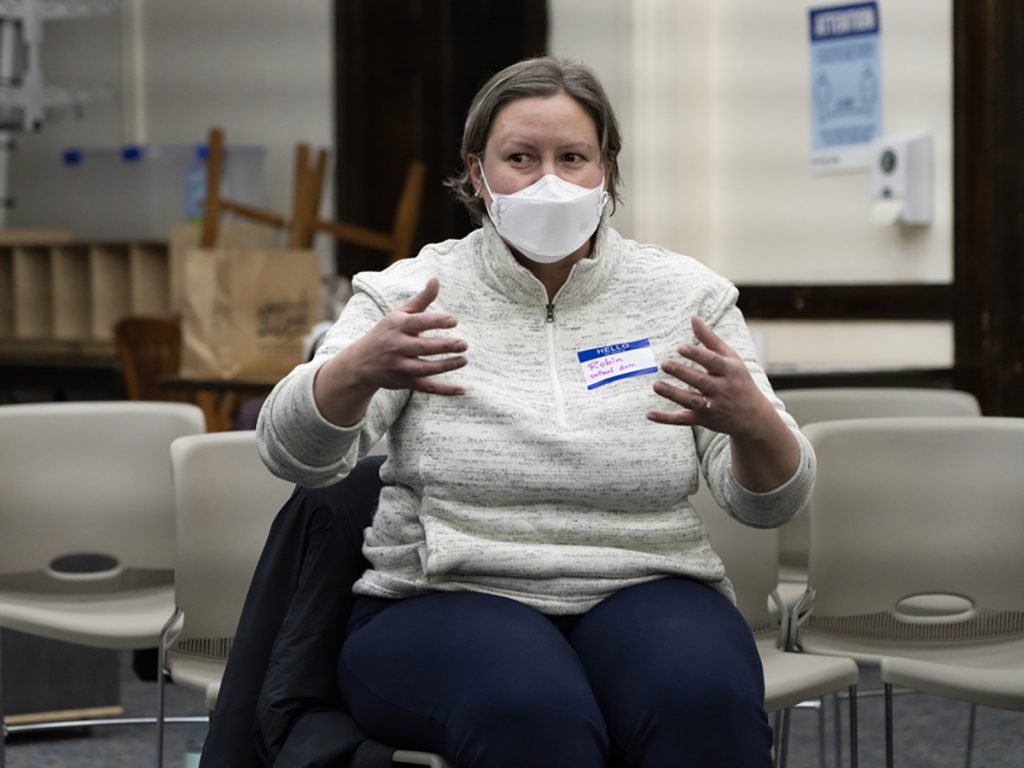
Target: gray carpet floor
[{"x": 930, "y": 733}]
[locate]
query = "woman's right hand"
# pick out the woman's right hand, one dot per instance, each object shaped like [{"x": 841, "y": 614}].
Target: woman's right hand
[{"x": 391, "y": 356}]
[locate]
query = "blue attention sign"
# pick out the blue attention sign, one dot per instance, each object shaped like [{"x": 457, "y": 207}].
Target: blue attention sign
[{"x": 846, "y": 89}]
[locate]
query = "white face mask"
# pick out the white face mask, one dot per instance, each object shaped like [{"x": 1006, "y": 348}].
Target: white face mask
[{"x": 549, "y": 219}]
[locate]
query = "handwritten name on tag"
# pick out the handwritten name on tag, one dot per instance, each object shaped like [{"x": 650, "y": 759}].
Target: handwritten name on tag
[{"x": 603, "y": 365}]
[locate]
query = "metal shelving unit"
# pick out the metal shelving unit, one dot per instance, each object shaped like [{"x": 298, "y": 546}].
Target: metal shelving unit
[{"x": 25, "y": 99}]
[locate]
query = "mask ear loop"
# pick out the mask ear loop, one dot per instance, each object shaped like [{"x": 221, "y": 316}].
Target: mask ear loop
[
  {"x": 604, "y": 197},
  {"x": 495, "y": 209}
]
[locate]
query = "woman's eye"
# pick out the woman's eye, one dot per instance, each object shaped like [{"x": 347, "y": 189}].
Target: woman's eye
[
  {"x": 517, "y": 159},
  {"x": 573, "y": 158}
]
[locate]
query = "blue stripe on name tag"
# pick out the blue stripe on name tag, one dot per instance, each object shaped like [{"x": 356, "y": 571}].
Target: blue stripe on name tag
[{"x": 613, "y": 349}]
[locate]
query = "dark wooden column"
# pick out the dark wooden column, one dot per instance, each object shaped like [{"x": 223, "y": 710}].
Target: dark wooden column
[
  {"x": 989, "y": 202},
  {"x": 405, "y": 73}
]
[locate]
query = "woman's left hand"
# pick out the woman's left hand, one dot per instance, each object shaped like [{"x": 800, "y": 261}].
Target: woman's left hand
[{"x": 721, "y": 394}]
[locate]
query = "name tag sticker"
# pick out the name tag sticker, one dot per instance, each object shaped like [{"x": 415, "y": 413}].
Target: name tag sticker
[{"x": 603, "y": 365}]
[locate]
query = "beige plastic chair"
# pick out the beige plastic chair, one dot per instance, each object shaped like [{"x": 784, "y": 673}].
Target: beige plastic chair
[
  {"x": 751, "y": 562},
  {"x": 226, "y": 501},
  {"x": 828, "y": 404},
  {"x": 87, "y": 521},
  {"x": 915, "y": 554}
]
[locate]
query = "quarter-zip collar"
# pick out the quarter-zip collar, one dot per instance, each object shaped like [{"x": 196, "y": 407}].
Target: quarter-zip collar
[{"x": 506, "y": 276}]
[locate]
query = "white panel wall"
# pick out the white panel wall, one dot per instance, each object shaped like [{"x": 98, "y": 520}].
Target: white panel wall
[
  {"x": 671, "y": 104},
  {"x": 260, "y": 69},
  {"x": 600, "y": 34},
  {"x": 75, "y": 52},
  {"x": 653, "y": 58},
  {"x": 775, "y": 222},
  {"x": 718, "y": 137}
]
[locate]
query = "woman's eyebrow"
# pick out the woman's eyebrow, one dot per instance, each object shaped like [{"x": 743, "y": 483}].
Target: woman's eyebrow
[{"x": 514, "y": 142}]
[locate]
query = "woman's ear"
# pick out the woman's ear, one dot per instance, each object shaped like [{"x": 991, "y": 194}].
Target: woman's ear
[{"x": 473, "y": 163}]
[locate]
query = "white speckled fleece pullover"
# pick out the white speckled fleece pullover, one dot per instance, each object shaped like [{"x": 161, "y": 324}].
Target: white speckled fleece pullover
[{"x": 531, "y": 485}]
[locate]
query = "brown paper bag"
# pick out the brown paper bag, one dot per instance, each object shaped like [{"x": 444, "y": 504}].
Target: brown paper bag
[
  {"x": 245, "y": 311},
  {"x": 234, "y": 232}
]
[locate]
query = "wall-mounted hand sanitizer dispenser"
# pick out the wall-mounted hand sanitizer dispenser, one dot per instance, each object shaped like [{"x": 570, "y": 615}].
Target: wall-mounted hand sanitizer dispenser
[{"x": 901, "y": 180}]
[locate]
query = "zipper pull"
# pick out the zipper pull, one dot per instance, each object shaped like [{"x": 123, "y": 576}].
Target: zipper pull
[{"x": 551, "y": 313}]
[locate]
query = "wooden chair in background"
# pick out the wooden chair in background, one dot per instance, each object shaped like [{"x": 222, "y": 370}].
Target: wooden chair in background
[
  {"x": 398, "y": 243},
  {"x": 149, "y": 353},
  {"x": 308, "y": 180},
  {"x": 304, "y": 221},
  {"x": 148, "y": 348}
]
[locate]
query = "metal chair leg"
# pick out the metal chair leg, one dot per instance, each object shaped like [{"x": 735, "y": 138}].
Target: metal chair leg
[
  {"x": 784, "y": 739},
  {"x": 888, "y": 726},
  {"x": 160, "y": 671},
  {"x": 777, "y": 746},
  {"x": 970, "y": 734},
  {"x": 3, "y": 724},
  {"x": 837, "y": 711},
  {"x": 853, "y": 727},
  {"x": 821, "y": 734}
]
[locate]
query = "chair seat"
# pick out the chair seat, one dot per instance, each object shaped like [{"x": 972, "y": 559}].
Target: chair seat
[
  {"x": 197, "y": 672},
  {"x": 999, "y": 652},
  {"x": 124, "y": 621},
  {"x": 978, "y": 678},
  {"x": 794, "y": 677}
]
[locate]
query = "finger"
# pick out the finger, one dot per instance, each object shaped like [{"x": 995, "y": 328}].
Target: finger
[
  {"x": 424, "y": 298},
  {"x": 687, "y": 374},
  {"x": 420, "y": 369},
  {"x": 710, "y": 361},
  {"x": 428, "y": 370},
  {"x": 433, "y": 387},
  {"x": 415, "y": 324},
  {"x": 428, "y": 346},
  {"x": 684, "y": 397},
  {"x": 708, "y": 337},
  {"x": 677, "y": 418}
]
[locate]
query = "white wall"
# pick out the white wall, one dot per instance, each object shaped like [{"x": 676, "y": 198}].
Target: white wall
[
  {"x": 774, "y": 222},
  {"x": 772, "y": 217},
  {"x": 653, "y": 58},
  {"x": 718, "y": 145},
  {"x": 260, "y": 69},
  {"x": 600, "y": 34},
  {"x": 74, "y": 53}
]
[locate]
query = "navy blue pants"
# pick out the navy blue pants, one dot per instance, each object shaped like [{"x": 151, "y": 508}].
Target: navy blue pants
[{"x": 658, "y": 675}]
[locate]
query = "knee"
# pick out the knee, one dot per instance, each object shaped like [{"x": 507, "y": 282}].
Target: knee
[
  {"x": 705, "y": 700},
  {"x": 715, "y": 721},
  {"x": 533, "y": 724}
]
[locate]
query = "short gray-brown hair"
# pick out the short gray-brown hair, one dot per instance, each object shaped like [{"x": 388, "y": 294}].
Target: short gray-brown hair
[{"x": 544, "y": 76}]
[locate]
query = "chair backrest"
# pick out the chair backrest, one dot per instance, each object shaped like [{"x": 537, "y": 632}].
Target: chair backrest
[
  {"x": 398, "y": 243},
  {"x": 88, "y": 484},
  {"x": 225, "y": 501},
  {"x": 829, "y": 404},
  {"x": 147, "y": 348},
  {"x": 751, "y": 558},
  {"x": 921, "y": 508}
]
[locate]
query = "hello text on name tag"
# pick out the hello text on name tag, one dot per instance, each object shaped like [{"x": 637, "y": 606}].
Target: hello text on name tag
[{"x": 603, "y": 365}]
